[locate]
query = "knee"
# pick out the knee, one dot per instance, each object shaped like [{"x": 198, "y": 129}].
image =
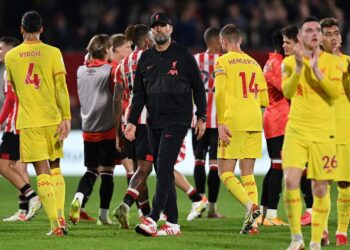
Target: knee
[
  {"x": 319, "y": 189},
  {"x": 343, "y": 184},
  {"x": 290, "y": 182},
  {"x": 55, "y": 163}
]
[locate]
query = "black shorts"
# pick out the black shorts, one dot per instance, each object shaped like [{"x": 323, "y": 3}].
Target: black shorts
[
  {"x": 274, "y": 146},
  {"x": 101, "y": 153},
  {"x": 128, "y": 150},
  {"x": 9, "y": 148},
  {"x": 208, "y": 143},
  {"x": 142, "y": 146}
]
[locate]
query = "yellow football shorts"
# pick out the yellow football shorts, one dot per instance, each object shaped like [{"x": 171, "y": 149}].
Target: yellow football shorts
[
  {"x": 37, "y": 144},
  {"x": 343, "y": 162},
  {"x": 243, "y": 145},
  {"x": 320, "y": 157}
]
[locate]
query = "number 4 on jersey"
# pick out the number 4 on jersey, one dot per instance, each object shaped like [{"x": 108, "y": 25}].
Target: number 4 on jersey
[{"x": 35, "y": 80}]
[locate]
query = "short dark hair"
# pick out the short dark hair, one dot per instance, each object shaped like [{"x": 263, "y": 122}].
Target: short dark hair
[
  {"x": 231, "y": 32},
  {"x": 291, "y": 32},
  {"x": 118, "y": 40},
  {"x": 32, "y": 21},
  {"x": 136, "y": 33},
  {"x": 329, "y": 22},
  {"x": 98, "y": 45},
  {"x": 210, "y": 33},
  {"x": 10, "y": 40},
  {"x": 307, "y": 20},
  {"x": 277, "y": 41}
]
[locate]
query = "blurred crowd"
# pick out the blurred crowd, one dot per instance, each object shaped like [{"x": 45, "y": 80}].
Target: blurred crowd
[{"x": 70, "y": 24}]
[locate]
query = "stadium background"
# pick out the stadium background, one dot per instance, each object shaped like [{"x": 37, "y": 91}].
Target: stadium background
[{"x": 70, "y": 24}]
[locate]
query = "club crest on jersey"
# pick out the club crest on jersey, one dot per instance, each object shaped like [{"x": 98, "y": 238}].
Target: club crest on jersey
[{"x": 173, "y": 70}]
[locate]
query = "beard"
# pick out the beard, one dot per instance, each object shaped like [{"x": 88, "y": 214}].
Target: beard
[{"x": 161, "y": 38}]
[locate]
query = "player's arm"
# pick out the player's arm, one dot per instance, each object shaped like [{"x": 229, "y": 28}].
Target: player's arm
[
  {"x": 10, "y": 99},
  {"x": 118, "y": 104},
  {"x": 290, "y": 79},
  {"x": 139, "y": 93},
  {"x": 220, "y": 87},
  {"x": 273, "y": 75},
  {"x": 59, "y": 75},
  {"x": 263, "y": 96},
  {"x": 331, "y": 83}
]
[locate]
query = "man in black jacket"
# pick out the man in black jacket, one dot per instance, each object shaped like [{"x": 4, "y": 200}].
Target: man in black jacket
[{"x": 167, "y": 80}]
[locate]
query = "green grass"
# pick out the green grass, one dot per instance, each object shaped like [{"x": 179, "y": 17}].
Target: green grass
[{"x": 199, "y": 234}]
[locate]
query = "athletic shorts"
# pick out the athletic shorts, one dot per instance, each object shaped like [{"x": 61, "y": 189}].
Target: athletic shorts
[
  {"x": 243, "y": 145},
  {"x": 128, "y": 150},
  {"x": 207, "y": 144},
  {"x": 9, "y": 148},
  {"x": 37, "y": 144},
  {"x": 102, "y": 153},
  {"x": 142, "y": 146},
  {"x": 343, "y": 162},
  {"x": 320, "y": 157}
]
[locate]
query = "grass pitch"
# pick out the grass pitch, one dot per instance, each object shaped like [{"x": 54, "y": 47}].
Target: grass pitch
[{"x": 200, "y": 234}]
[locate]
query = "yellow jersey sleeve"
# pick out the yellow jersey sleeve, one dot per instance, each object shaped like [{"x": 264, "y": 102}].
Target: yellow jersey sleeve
[
  {"x": 264, "y": 98},
  {"x": 342, "y": 106},
  {"x": 59, "y": 73},
  {"x": 290, "y": 79},
  {"x": 220, "y": 85}
]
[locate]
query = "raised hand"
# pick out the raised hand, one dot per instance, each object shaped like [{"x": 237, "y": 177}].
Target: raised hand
[{"x": 298, "y": 54}]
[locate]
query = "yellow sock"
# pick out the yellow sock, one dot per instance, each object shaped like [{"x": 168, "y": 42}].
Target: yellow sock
[
  {"x": 60, "y": 190},
  {"x": 329, "y": 211},
  {"x": 292, "y": 204},
  {"x": 343, "y": 209},
  {"x": 47, "y": 197},
  {"x": 236, "y": 189},
  {"x": 320, "y": 211},
  {"x": 249, "y": 184}
]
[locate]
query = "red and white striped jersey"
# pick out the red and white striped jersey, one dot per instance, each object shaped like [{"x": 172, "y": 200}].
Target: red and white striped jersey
[
  {"x": 182, "y": 153},
  {"x": 206, "y": 64},
  {"x": 126, "y": 74},
  {"x": 10, "y": 107}
]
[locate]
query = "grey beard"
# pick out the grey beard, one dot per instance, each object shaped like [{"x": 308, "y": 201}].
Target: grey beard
[{"x": 160, "y": 40}]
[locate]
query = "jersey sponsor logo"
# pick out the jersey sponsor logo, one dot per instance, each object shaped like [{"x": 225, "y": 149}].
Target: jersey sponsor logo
[
  {"x": 91, "y": 71},
  {"x": 173, "y": 70},
  {"x": 219, "y": 71},
  {"x": 29, "y": 53}
]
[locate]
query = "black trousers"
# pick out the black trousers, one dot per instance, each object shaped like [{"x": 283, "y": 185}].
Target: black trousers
[{"x": 165, "y": 146}]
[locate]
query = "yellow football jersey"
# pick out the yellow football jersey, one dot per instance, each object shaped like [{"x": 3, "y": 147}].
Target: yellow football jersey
[
  {"x": 342, "y": 107},
  {"x": 240, "y": 91},
  {"x": 37, "y": 74},
  {"x": 312, "y": 113}
]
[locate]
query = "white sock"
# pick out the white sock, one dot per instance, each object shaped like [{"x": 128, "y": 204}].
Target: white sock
[
  {"x": 172, "y": 224},
  {"x": 297, "y": 237},
  {"x": 212, "y": 207},
  {"x": 79, "y": 196},
  {"x": 103, "y": 213},
  {"x": 271, "y": 214},
  {"x": 309, "y": 210}
]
